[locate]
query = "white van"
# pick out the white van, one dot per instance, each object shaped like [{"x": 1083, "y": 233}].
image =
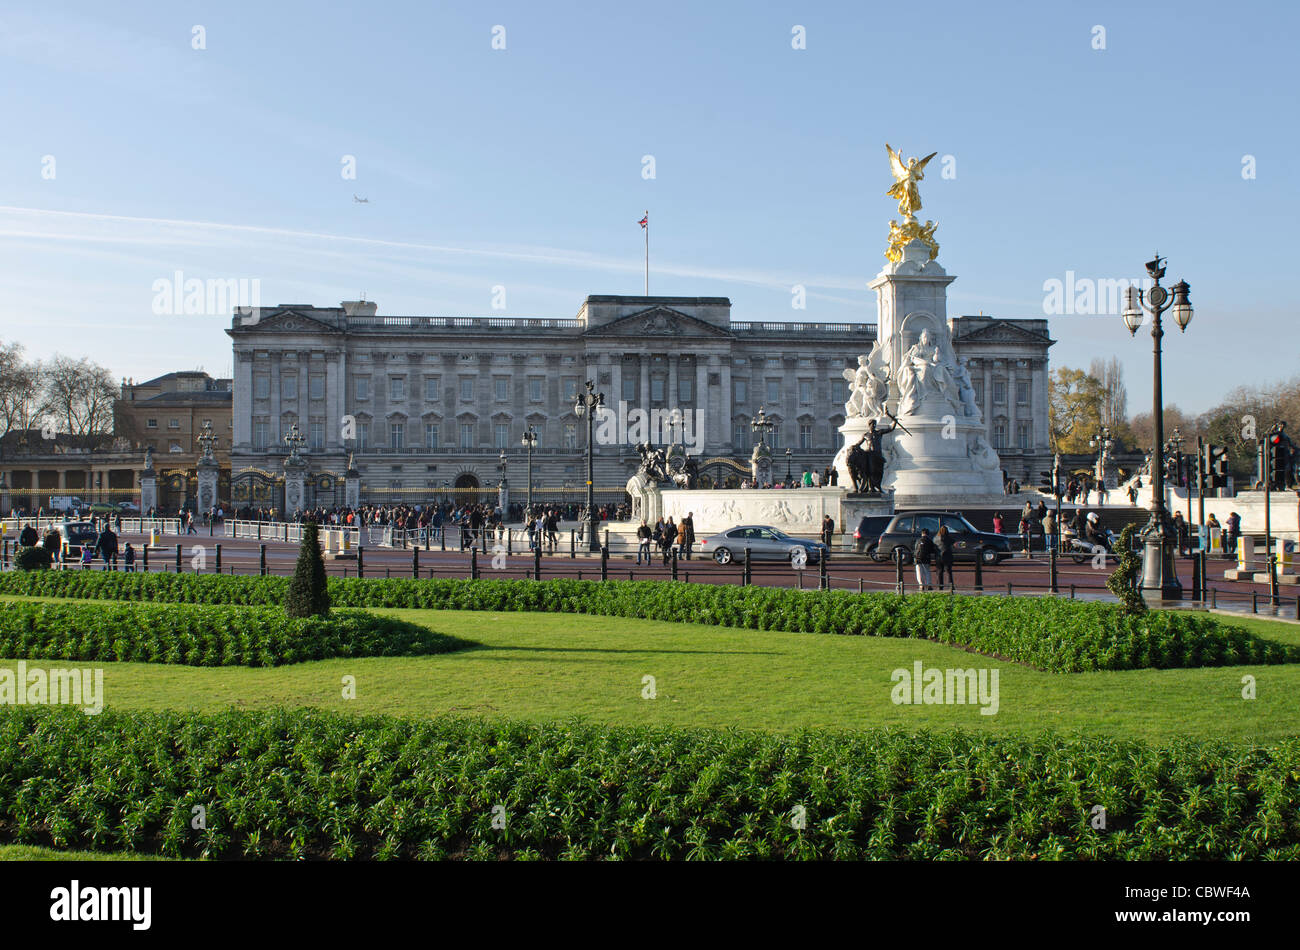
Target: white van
[{"x": 65, "y": 503}]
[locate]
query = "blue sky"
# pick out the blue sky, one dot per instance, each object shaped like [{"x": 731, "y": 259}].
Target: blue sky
[{"x": 522, "y": 167}]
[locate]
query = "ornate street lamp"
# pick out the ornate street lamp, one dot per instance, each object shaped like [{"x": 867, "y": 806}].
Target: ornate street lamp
[
  {"x": 529, "y": 442},
  {"x": 1159, "y": 581},
  {"x": 1103, "y": 443},
  {"x": 588, "y": 404}
]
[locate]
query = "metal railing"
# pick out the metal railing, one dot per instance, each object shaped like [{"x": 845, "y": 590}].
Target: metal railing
[{"x": 12, "y": 526}]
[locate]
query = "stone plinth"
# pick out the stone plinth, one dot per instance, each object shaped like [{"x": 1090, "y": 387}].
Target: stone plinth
[
  {"x": 794, "y": 510},
  {"x": 208, "y": 471}
]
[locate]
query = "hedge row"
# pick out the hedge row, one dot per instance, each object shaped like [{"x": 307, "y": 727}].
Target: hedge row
[
  {"x": 305, "y": 784},
  {"x": 198, "y": 635},
  {"x": 1057, "y": 635}
]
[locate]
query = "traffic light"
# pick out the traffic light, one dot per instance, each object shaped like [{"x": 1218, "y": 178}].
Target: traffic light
[
  {"x": 1048, "y": 484},
  {"x": 1216, "y": 466},
  {"x": 1279, "y": 459}
]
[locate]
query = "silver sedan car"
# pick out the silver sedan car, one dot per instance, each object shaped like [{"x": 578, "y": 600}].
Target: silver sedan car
[{"x": 764, "y": 543}]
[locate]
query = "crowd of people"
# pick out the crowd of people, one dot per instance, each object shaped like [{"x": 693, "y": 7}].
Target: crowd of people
[
  {"x": 811, "y": 478},
  {"x": 666, "y": 537}
]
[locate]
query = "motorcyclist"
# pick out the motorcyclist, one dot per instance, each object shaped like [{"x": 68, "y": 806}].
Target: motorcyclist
[{"x": 1097, "y": 535}]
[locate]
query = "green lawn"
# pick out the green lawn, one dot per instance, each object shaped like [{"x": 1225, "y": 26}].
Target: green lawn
[
  {"x": 25, "y": 852},
  {"x": 558, "y": 666}
]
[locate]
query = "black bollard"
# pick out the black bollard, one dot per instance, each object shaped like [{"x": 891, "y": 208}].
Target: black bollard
[
  {"x": 979, "y": 570},
  {"x": 442, "y": 538},
  {"x": 361, "y": 564},
  {"x": 218, "y": 559},
  {"x": 823, "y": 579},
  {"x": 573, "y": 548},
  {"x": 674, "y": 564},
  {"x": 178, "y": 558},
  {"x": 261, "y": 558},
  {"x": 144, "y": 556},
  {"x": 415, "y": 562},
  {"x": 604, "y": 562},
  {"x": 537, "y": 563},
  {"x": 747, "y": 575},
  {"x": 1051, "y": 568},
  {"x": 510, "y": 541},
  {"x": 473, "y": 563},
  {"x": 898, "y": 570}
]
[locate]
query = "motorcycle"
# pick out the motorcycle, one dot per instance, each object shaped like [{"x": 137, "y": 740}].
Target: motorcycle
[{"x": 1082, "y": 549}]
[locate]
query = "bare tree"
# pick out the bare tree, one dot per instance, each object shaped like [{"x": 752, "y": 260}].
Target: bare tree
[
  {"x": 21, "y": 405},
  {"x": 79, "y": 396},
  {"x": 1114, "y": 400}
]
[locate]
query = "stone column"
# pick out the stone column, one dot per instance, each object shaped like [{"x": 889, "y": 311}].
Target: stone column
[
  {"x": 148, "y": 491},
  {"x": 295, "y": 476},
  {"x": 616, "y": 382},
  {"x": 333, "y": 417},
  {"x": 724, "y": 400},
  {"x": 643, "y": 397},
  {"x": 672, "y": 396},
  {"x": 701, "y": 411},
  {"x": 1013, "y": 442},
  {"x": 273, "y": 370},
  {"x": 987, "y": 407}
]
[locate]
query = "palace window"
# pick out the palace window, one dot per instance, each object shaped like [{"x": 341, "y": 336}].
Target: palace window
[
  {"x": 999, "y": 433},
  {"x": 363, "y": 435},
  {"x": 739, "y": 390},
  {"x": 501, "y": 388},
  {"x": 535, "y": 393},
  {"x": 261, "y": 386},
  {"x": 431, "y": 386},
  {"x": 316, "y": 438},
  {"x": 773, "y": 392},
  {"x": 805, "y": 435},
  {"x": 397, "y": 389},
  {"x": 363, "y": 387},
  {"x": 397, "y": 436},
  {"x": 316, "y": 386},
  {"x": 1022, "y": 392},
  {"x": 805, "y": 392},
  {"x": 740, "y": 435},
  {"x": 260, "y": 431},
  {"x": 431, "y": 435},
  {"x": 151, "y": 424},
  {"x": 467, "y": 435},
  {"x": 466, "y": 389},
  {"x": 570, "y": 435},
  {"x": 570, "y": 389},
  {"x": 501, "y": 435},
  {"x": 1023, "y": 435},
  {"x": 839, "y": 392},
  {"x": 173, "y": 423},
  {"x": 978, "y": 386},
  {"x": 685, "y": 389},
  {"x": 656, "y": 389},
  {"x": 999, "y": 392},
  {"x": 629, "y": 389},
  {"x": 289, "y": 387}
]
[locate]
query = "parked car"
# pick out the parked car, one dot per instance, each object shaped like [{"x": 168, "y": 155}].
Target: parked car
[
  {"x": 763, "y": 542},
  {"x": 128, "y": 508},
  {"x": 74, "y": 534},
  {"x": 968, "y": 542},
  {"x": 868, "y": 532}
]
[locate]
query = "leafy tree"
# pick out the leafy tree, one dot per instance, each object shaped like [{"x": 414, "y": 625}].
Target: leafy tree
[
  {"x": 308, "y": 593},
  {"x": 1075, "y": 401},
  {"x": 79, "y": 396}
]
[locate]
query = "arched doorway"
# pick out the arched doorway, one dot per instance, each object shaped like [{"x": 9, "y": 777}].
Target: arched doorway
[{"x": 467, "y": 485}]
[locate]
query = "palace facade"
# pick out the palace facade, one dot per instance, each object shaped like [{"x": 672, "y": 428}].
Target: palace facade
[{"x": 427, "y": 404}]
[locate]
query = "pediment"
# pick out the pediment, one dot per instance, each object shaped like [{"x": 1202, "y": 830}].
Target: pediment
[
  {"x": 1003, "y": 331},
  {"x": 291, "y": 321},
  {"x": 657, "y": 321}
]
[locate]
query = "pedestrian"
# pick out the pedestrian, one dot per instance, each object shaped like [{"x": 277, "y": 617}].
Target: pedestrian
[
  {"x": 943, "y": 542},
  {"x": 106, "y": 545},
  {"x": 681, "y": 537},
  {"x": 1180, "y": 529},
  {"x": 643, "y": 536},
  {"x": 923, "y": 555},
  {"x": 1212, "y": 525},
  {"x": 128, "y": 558},
  {"x": 807, "y": 479},
  {"x": 1027, "y": 535},
  {"x": 828, "y": 530},
  {"x": 1233, "y": 528},
  {"x": 1049, "y": 530},
  {"x": 997, "y": 523},
  {"x": 689, "y": 524},
  {"x": 668, "y": 538}
]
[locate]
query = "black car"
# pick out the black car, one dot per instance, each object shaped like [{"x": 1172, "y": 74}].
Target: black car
[
  {"x": 968, "y": 542},
  {"x": 868, "y": 532}
]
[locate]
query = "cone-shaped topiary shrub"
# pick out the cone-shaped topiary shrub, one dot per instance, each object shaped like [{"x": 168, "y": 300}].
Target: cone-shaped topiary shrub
[
  {"x": 308, "y": 594},
  {"x": 1123, "y": 583}
]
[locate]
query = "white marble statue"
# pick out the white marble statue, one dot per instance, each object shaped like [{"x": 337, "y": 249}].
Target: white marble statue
[
  {"x": 965, "y": 389},
  {"x": 925, "y": 372},
  {"x": 868, "y": 385}
]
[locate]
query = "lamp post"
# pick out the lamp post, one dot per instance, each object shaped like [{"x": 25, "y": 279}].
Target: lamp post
[
  {"x": 1103, "y": 443},
  {"x": 588, "y": 404},
  {"x": 529, "y": 442},
  {"x": 1159, "y": 581},
  {"x": 789, "y": 473},
  {"x": 762, "y": 425}
]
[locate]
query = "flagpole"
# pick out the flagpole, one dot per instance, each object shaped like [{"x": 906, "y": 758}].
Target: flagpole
[{"x": 647, "y": 252}]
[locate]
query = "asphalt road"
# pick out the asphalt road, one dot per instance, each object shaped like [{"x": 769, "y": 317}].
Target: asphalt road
[{"x": 845, "y": 571}]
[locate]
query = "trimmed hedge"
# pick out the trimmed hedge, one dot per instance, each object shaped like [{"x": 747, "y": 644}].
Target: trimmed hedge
[
  {"x": 196, "y": 635},
  {"x": 1063, "y": 636},
  {"x": 306, "y": 784}
]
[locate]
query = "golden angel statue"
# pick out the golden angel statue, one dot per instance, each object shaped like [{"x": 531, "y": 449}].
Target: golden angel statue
[{"x": 905, "y": 178}]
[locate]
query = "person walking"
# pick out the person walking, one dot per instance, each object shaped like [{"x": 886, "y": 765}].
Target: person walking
[
  {"x": 128, "y": 558},
  {"x": 1049, "y": 530},
  {"x": 997, "y": 523},
  {"x": 643, "y": 535},
  {"x": 828, "y": 531},
  {"x": 1027, "y": 534},
  {"x": 668, "y": 538},
  {"x": 106, "y": 545},
  {"x": 923, "y": 556},
  {"x": 1211, "y": 525},
  {"x": 689, "y": 524},
  {"x": 681, "y": 537},
  {"x": 943, "y": 556},
  {"x": 1233, "y": 531}
]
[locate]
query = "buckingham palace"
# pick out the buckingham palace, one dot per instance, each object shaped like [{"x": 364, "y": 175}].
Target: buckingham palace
[{"x": 426, "y": 405}]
